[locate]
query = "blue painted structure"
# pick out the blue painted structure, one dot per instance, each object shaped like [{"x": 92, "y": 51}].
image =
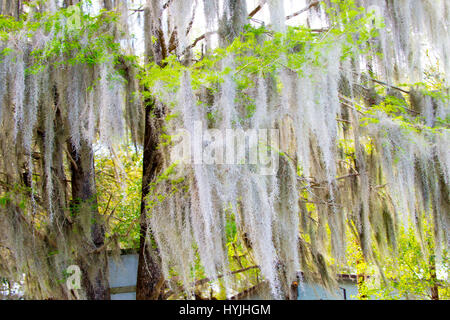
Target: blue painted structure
[
  {"x": 347, "y": 290},
  {"x": 123, "y": 274}
]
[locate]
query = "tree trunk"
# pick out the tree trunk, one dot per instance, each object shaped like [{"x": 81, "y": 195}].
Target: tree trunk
[
  {"x": 68, "y": 3},
  {"x": 149, "y": 277},
  {"x": 434, "y": 288},
  {"x": 94, "y": 266},
  {"x": 232, "y": 24},
  {"x": 11, "y": 8},
  {"x": 107, "y": 4}
]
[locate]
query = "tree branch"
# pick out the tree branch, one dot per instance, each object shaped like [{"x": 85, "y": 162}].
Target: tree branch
[
  {"x": 257, "y": 9},
  {"x": 311, "y": 5},
  {"x": 253, "y": 13},
  {"x": 206, "y": 280}
]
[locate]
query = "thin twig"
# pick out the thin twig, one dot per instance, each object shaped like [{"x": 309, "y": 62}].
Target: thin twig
[
  {"x": 206, "y": 280},
  {"x": 254, "y": 12},
  {"x": 192, "y": 19},
  {"x": 107, "y": 205},
  {"x": 311, "y": 5},
  {"x": 258, "y": 7},
  {"x": 167, "y": 4},
  {"x": 343, "y": 120},
  {"x": 71, "y": 159},
  {"x": 390, "y": 86}
]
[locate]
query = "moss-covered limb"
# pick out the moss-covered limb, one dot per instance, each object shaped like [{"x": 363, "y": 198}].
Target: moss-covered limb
[
  {"x": 149, "y": 277},
  {"x": 85, "y": 209},
  {"x": 13, "y": 8},
  {"x": 56, "y": 107}
]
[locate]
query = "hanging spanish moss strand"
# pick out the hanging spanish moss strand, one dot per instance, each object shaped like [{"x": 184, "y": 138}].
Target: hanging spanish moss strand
[
  {"x": 314, "y": 110},
  {"x": 51, "y": 113},
  {"x": 353, "y": 149}
]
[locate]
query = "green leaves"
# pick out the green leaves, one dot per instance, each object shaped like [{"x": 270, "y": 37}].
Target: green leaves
[
  {"x": 79, "y": 38},
  {"x": 411, "y": 275},
  {"x": 259, "y": 50}
]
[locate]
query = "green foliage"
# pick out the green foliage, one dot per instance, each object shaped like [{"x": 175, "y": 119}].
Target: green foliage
[
  {"x": 262, "y": 51},
  {"x": 400, "y": 111},
  {"x": 412, "y": 273},
  {"x": 78, "y": 37},
  {"x": 119, "y": 187}
]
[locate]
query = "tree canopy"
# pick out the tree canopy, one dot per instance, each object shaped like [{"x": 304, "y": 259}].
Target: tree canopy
[{"x": 346, "y": 102}]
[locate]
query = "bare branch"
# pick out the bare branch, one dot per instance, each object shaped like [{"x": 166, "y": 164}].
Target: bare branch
[
  {"x": 311, "y": 5},
  {"x": 257, "y": 9},
  {"x": 192, "y": 19},
  {"x": 167, "y": 4}
]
